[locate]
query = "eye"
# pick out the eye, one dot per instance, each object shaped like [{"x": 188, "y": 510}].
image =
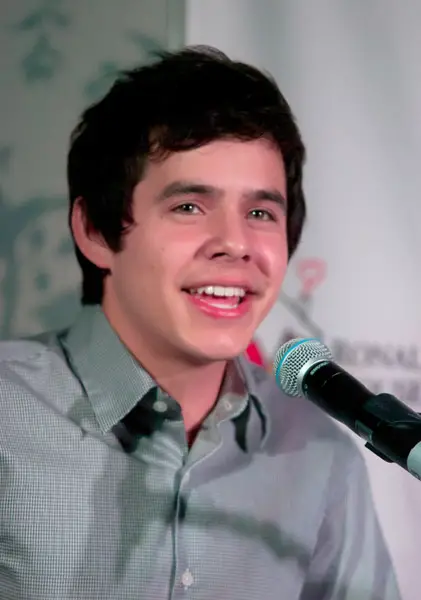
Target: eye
[
  {"x": 261, "y": 215},
  {"x": 187, "y": 208}
]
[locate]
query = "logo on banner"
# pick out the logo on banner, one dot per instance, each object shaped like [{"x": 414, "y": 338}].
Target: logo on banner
[{"x": 392, "y": 368}]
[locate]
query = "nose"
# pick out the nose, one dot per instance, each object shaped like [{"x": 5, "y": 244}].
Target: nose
[{"x": 230, "y": 238}]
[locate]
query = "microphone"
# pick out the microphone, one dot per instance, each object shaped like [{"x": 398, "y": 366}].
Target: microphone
[{"x": 392, "y": 430}]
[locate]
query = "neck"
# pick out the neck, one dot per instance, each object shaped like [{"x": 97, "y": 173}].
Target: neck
[{"x": 195, "y": 388}]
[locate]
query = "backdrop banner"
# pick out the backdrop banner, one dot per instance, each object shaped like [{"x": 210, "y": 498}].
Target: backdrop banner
[
  {"x": 58, "y": 57},
  {"x": 351, "y": 72}
]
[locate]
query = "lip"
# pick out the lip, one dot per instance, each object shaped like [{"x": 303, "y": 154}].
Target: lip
[{"x": 225, "y": 314}]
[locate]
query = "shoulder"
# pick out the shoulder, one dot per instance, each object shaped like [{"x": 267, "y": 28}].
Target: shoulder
[
  {"x": 24, "y": 354},
  {"x": 34, "y": 368},
  {"x": 23, "y": 350}
]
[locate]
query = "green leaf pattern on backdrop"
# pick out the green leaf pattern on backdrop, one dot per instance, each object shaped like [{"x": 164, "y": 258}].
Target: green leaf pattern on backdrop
[
  {"x": 108, "y": 69},
  {"x": 42, "y": 27},
  {"x": 39, "y": 277}
]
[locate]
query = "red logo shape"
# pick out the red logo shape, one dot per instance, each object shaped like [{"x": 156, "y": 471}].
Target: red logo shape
[
  {"x": 311, "y": 272},
  {"x": 254, "y": 354}
]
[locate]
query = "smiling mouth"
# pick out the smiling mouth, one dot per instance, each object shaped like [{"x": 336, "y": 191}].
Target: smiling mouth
[{"x": 220, "y": 296}]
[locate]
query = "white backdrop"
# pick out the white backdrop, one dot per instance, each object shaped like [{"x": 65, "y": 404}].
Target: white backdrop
[{"x": 351, "y": 71}]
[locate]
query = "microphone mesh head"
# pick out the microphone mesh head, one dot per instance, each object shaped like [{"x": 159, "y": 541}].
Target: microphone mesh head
[{"x": 292, "y": 357}]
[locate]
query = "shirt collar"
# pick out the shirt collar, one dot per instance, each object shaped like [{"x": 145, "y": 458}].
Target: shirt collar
[
  {"x": 259, "y": 386},
  {"x": 115, "y": 382}
]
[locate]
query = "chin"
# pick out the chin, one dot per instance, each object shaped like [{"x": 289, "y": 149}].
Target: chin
[{"x": 217, "y": 350}]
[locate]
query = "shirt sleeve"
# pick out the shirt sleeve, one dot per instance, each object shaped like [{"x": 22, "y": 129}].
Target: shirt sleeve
[{"x": 351, "y": 560}]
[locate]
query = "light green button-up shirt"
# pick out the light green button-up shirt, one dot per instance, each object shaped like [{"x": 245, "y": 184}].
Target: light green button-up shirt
[{"x": 101, "y": 498}]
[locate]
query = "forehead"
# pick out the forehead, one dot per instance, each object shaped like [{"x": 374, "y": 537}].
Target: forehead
[{"x": 253, "y": 162}]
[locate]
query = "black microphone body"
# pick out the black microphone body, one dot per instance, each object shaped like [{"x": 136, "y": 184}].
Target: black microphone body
[{"x": 389, "y": 427}]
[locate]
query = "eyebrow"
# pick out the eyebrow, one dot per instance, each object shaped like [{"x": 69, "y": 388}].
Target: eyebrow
[{"x": 188, "y": 188}]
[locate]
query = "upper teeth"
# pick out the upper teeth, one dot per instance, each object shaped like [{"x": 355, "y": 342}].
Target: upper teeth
[{"x": 218, "y": 290}]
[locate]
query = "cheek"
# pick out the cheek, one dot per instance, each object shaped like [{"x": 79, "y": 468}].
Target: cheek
[
  {"x": 157, "y": 260},
  {"x": 274, "y": 257}
]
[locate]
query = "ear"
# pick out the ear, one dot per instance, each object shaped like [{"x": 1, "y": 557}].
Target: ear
[{"x": 90, "y": 242}]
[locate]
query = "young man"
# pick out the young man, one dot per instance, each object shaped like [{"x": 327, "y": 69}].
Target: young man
[{"x": 141, "y": 456}]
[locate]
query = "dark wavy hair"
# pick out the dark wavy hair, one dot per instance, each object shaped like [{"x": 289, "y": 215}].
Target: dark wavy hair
[{"x": 181, "y": 101}]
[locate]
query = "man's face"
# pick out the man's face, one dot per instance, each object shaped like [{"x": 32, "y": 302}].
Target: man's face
[{"x": 203, "y": 264}]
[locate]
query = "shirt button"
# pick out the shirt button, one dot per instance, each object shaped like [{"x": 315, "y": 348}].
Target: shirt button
[
  {"x": 160, "y": 406},
  {"x": 187, "y": 578},
  {"x": 227, "y": 404}
]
